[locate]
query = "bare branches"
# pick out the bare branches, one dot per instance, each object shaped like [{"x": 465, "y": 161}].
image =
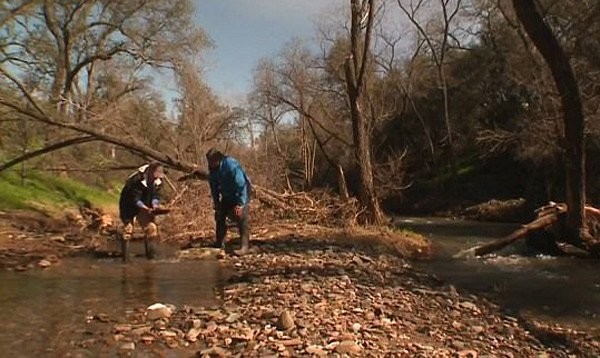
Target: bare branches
[
  {"x": 9, "y": 14},
  {"x": 46, "y": 150}
]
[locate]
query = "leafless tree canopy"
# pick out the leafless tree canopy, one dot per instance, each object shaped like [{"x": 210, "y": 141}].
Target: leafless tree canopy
[{"x": 400, "y": 103}]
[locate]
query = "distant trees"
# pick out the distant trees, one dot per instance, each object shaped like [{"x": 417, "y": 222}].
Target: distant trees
[
  {"x": 84, "y": 67},
  {"x": 394, "y": 93}
]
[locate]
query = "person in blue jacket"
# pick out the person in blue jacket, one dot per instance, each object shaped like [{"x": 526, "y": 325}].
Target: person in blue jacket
[{"x": 230, "y": 190}]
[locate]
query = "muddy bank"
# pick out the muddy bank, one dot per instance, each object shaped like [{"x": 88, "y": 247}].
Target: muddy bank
[{"x": 30, "y": 240}]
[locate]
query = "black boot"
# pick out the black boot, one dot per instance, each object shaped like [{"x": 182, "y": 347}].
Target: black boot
[
  {"x": 149, "y": 248},
  {"x": 124, "y": 249},
  {"x": 221, "y": 229}
]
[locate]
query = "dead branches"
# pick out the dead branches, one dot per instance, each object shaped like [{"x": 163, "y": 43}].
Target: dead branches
[{"x": 311, "y": 207}]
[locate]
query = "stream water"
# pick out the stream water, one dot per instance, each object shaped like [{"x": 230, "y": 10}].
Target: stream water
[
  {"x": 45, "y": 312},
  {"x": 555, "y": 289}
]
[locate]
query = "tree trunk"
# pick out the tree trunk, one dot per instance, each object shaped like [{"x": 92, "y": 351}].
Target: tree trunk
[
  {"x": 355, "y": 69},
  {"x": 519, "y": 234},
  {"x": 362, "y": 152},
  {"x": 551, "y": 216},
  {"x": 448, "y": 122},
  {"x": 342, "y": 188},
  {"x": 574, "y": 142}
]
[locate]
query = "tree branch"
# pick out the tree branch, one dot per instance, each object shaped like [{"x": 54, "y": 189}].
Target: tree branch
[{"x": 45, "y": 150}]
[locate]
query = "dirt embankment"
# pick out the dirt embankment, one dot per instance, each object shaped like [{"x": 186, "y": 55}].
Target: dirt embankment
[{"x": 30, "y": 239}]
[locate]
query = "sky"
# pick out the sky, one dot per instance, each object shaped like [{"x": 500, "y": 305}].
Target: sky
[{"x": 244, "y": 31}]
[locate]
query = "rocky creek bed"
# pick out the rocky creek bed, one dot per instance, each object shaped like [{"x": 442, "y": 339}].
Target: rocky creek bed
[
  {"x": 304, "y": 296},
  {"x": 306, "y": 292}
]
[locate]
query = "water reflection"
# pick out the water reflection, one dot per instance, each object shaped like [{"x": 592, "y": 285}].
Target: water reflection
[{"x": 44, "y": 312}]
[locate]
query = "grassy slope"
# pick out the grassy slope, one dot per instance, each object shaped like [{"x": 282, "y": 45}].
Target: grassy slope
[{"x": 48, "y": 193}]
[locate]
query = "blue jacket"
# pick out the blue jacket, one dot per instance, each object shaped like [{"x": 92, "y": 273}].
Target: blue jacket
[{"x": 229, "y": 183}]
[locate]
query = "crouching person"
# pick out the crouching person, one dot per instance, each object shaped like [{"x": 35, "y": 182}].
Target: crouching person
[{"x": 139, "y": 198}]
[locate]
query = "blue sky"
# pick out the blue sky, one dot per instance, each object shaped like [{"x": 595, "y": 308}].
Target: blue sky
[{"x": 244, "y": 31}]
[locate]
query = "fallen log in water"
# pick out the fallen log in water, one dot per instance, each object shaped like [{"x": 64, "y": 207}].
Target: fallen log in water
[{"x": 549, "y": 216}]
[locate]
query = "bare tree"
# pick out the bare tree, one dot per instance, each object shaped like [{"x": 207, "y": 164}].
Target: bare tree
[
  {"x": 438, "y": 53},
  {"x": 62, "y": 41},
  {"x": 362, "y": 15},
  {"x": 86, "y": 58},
  {"x": 202, "y": 119},
  {"x": 269, "y": 111}
]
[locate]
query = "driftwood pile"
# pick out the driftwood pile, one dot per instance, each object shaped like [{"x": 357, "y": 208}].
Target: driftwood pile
[
  {"x": 549, "y": 228},
  {"x": 311, "y": 207}
]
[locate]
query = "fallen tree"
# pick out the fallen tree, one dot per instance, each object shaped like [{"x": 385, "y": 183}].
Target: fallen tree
[
  {"x": 313, "y": 208},
  {"x": 551, "y": 220}
]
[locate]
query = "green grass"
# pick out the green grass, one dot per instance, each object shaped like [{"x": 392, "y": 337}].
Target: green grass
[{"x": 49, "y": 193}]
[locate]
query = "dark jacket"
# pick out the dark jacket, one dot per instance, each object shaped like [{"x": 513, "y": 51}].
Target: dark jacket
[
  {"x": 229, "y": 183},
  {"x": 136, "y": 191}
]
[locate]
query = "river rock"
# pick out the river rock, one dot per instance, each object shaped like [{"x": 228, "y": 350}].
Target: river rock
[
  {"x": 129, "y": 346},
  {"x": 292, "y": 342},
  {"x": 102, "y": 317},
  {"x": 139, "y": 331},
  {"x": 158, "y": 310},
  {"x": 121, "y": 328},
  {"x": 193, "y": 323},
  {"x": 211, "y": 327},
  {"x": 348, "y": 347},
  {"x": 214, "y": 352},
  {"x": 478, "y": 329},
  {"x": 316, "y": 350},
  {"x": 148, "y": 338},
  {"x": 44, "y": 263},
  {"x": 470, "y": 306},
  {"x": 192, "y": 334},
  {"x": 458, "y": 345},
  {"x": 168, "y": 334},
  {"x": 286, "y": 321},
  {"x": 161, "y": 323},
  {"x": 467, "y": 353}
]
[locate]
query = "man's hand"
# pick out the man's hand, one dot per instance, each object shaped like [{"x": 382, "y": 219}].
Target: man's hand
[{"x": 238, "y": 211}]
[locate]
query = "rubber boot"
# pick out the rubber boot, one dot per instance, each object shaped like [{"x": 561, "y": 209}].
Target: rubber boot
[
  {"x": 149, "y": 249},
  {"x": 151, "y": 235},
  {"x": 219, "y": 244},
  {"x": 221, "y": 230},
  {"x": 125, "y": 238},
  {"x": 245, "y": 237},
  {"x": 124, "y": 249}
]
